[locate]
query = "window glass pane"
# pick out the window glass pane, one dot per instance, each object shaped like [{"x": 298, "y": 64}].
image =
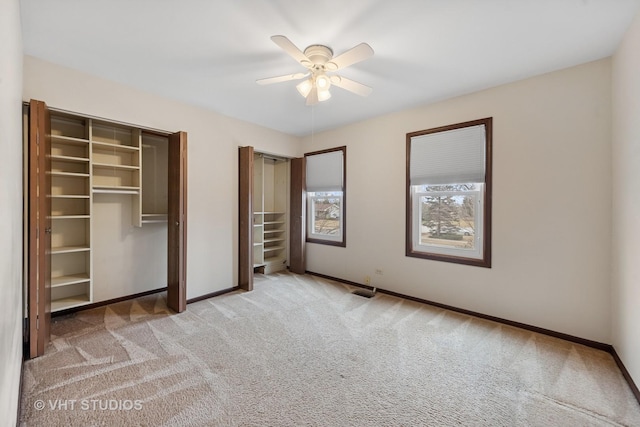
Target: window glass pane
[
  {"x": 449, "y": 220},
  {"x": 326, "y": 212}
]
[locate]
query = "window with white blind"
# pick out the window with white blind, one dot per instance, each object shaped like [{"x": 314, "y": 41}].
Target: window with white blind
[
  {"x": 325, "y": 185},
  {"x": 449, "y": 193}
]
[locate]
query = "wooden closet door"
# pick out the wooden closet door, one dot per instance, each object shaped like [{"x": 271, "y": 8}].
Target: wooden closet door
[
  {"x": 297, "y": 218},
  {"x": 177, "y": 223},
  {"x": 39, "y": 264},
  {"x": 245, "y": 218}
]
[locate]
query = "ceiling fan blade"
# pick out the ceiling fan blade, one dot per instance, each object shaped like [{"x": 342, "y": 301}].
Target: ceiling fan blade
[
  {"x": 351, "y": 85},
  {"x": 312, "y": 98},
  {"x": 291, "y": 49},
  {"x": 279, "y": 79},
  {"x": 359, "y": 53}
]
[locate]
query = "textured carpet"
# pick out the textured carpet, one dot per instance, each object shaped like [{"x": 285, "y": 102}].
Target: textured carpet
[{"x": 300, "y": 350}]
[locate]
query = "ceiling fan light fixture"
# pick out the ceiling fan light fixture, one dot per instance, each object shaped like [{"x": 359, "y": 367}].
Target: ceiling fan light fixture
[
  {"x": 323, "y": 95},
  {"x": 318, "y": 84},
  {"x": 323, "y": 82},
  {"x": 305, "y": 87}
]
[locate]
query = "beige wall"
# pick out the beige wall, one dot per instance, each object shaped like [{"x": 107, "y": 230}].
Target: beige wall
[
  {"x": 10, "y": 209},
  {"x": 626, "y": 200},
  {"x": 551, "y": 204},
  {"x": 213, "y": 142}
]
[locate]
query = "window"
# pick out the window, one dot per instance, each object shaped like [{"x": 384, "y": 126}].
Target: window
[
  {"x": 325, "y": 184},
  {"x": 449, "y": 193}
]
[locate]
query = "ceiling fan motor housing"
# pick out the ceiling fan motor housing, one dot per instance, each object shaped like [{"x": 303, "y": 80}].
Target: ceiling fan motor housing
[{"x": 319, "y": 56}]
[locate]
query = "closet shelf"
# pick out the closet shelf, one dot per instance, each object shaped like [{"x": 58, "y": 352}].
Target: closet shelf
[
  {"x": 273, "y": 240},
  {"x": 106, "y": 146},
  {"x": 70, "y": 159},
  {"x": 71, "y": 279},
  {"x": 70, "y": 302},
  {"x": 148, "y": 218},
  {"x": 274, "y": 259},
  {"x": 69, "y": 140},
  {"x": 115, "y": 166},
  {"x": 70, "y": 174},
  {"x": 109, "y": 189},
  {"x": 154, "y": 218},
  {"x": 69, "y": 196},
  {"x": 69, "y": 249},
  {"x": 275, "y": 231},
  {"x": 69, "y": 217}
]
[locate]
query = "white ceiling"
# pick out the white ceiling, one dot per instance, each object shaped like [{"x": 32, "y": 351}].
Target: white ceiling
[{"x": 210, "y": 52}]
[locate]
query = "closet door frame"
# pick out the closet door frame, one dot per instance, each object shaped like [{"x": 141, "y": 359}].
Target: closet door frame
[
  {"x": 245, "y": 218},
  {"x": 177, "y": 223},
  {"x": 39, "y": 228},
  {"x": 297, "y": 219}
]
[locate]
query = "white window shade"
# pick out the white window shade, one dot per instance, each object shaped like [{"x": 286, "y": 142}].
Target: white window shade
[
  {"x": 325, "y": 171},
  {"x": 448, "y": 157}
]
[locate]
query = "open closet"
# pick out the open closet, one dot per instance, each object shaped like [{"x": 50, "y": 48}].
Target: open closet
[
  {"x": 270, "y": 207},
  {"x": 106, "y": 214},
  {"x": 265, "y": 214}
]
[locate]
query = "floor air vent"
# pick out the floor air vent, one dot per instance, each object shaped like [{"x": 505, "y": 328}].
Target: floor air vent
[{"x": 367, "y": 293}]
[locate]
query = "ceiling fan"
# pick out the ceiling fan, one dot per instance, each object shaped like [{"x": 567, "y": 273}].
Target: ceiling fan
[{"x": 319, "y": 60}]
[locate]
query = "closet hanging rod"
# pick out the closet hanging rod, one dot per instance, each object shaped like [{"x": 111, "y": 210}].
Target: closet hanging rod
[{"x": 274, "y": 157}]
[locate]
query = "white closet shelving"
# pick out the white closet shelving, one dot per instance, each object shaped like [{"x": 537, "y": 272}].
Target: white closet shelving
[
  {"x": 270, "y": 204},
  {"x": 116, "y": 163},
  {"x": 90, "y": 158},
  {"x": 71, "y": 201}
]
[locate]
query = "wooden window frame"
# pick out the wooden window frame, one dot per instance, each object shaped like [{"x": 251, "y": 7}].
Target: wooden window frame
[
  {"x": 485, "y": 261},
  {"x": 343, "y": 241}
]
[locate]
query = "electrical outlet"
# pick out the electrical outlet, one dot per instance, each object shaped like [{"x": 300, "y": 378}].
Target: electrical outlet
[
  {"x": 379, "y": 271},
  {"x": 367, "y": 280}
]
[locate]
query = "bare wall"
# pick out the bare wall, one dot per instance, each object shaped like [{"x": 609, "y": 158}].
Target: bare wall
[
  {"x": 551, "y": 204},
  {"x": 626, "y": 200},
  {"x": 10, "y": 209},
  {"x": 213, "y": 142}
]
